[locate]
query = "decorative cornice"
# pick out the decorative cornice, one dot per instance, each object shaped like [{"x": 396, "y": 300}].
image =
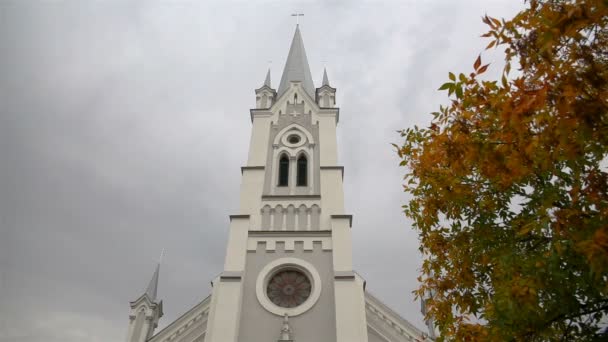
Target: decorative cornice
[
  {"x": 290, "y": 233},
  {"x": 329, "y": 112},
  {"x": 288, "y": 197},
  {"x": 265, "y": 87},
  {"x": 260, "y": 112},
  {"x": 349, "y": 217},
  {"x": 344, "y": 275},
  {"x": 325, "y": 87},
  {"x": 231, "y": 276},
  {"x": 239, "y": 216},
  {"x": 248, "y": 168}
]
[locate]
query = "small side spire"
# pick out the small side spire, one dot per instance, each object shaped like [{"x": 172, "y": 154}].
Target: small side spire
[
  {"x": 267, "y": 80},
  {"x": 325, "y": 79},
  {"x": 152, "y": 288}
]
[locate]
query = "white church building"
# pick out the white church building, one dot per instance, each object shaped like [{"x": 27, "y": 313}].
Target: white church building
[{"x": 288, "y": 273}]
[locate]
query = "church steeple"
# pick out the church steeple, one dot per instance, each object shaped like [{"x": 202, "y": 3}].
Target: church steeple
[
  {"x": 296, "y": 67},
  {"x": 145, "y": 311}
]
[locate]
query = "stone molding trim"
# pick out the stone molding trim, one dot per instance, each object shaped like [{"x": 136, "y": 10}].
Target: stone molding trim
[
  {"x": 344, "y": 275},
  {"x": 247, "y": 168},
  {"x": 384, "y": 320},
  {"x": 239, "y": 217},
  {"x": 289, "y": 197},
  {"x": 289, "y": 242},
  {"x": 231, "y": 276},
  {"x": 262, "y": 112},
  {"x": 330, "y": 112},
  {"x": 287, "y": 233},
  {"x": 185, "y": 324},
  {"x": 349, "y": 217},
  {"x": 288, "y": 263}
]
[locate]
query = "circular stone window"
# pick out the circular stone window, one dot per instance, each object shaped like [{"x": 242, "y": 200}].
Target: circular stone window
[
  {"x": 293, "y": 139},
  {"x": 288, "y": 286}
]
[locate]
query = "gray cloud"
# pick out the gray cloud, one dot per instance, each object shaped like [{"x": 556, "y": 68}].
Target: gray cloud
[{"x": 123, "y": 126}]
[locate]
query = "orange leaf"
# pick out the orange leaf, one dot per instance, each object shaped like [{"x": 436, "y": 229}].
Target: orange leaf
[
  {"x": 477, "y": 62},
  {"x": 483, "y": 69}
]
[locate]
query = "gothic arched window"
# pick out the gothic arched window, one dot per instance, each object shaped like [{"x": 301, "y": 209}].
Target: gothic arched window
[
  {"x": 302, "y": 178},
  {"x": 283, "y": 170}
]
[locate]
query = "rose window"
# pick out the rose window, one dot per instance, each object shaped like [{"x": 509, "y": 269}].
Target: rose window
[{"x": 288, "y": 288}]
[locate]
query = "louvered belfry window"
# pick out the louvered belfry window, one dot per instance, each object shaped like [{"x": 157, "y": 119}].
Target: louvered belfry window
[
  {"x": 302, "y": 171},
  {"x": 283, "y": 171}
]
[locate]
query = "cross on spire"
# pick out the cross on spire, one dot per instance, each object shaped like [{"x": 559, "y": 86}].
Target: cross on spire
[{"x": 297, "y": 15}]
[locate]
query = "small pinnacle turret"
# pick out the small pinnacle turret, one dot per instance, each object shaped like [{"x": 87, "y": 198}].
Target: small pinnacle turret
[
  {"x": 146, "y": 311},
  {"x": 325, "y": 79},
  {"x": 326, "y": 95}
]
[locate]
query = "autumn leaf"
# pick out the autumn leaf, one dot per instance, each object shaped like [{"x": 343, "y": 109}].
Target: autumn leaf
[{"x": 508, "y": 184}]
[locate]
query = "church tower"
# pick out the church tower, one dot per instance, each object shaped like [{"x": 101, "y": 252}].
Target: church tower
[
  {"x": 288, "y": 273},
  {"x": 289, "y": 249}
]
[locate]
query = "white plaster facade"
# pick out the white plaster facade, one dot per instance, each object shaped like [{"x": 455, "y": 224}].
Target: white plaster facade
[{"x": 291, "y": 218}]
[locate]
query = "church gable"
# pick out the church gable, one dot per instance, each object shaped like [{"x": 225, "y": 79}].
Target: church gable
[
  {"x": 190, "y": 327},
  {"x": 295, "y": 101},
  {"x": 385, "y": 325}
]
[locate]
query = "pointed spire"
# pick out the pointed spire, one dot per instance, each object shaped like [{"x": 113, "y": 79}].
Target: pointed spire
[
  {"x": 267, "y": 80},
  {"x": 152, "y": 289},
  {"x": 325, "y": 79},
  {"x": 296, "y": 67}
]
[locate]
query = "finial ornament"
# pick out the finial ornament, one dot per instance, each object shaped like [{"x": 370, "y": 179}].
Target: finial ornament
[
  {"x": 297, "y": 15},
  {"x": 285, "y": 330}
]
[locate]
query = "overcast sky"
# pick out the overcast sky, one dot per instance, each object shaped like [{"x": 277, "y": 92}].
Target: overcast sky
[{"x": 123, "y": 126}]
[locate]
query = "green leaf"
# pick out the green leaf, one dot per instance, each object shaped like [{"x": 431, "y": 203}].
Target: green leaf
[
  {"x": 445, "y": 86},
  {"x": 459, "y": 91},
  {"x": 452, "y": 76}
]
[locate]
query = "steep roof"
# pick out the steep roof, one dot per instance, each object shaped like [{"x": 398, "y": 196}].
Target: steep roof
[{"x": 296, "y": 67}]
